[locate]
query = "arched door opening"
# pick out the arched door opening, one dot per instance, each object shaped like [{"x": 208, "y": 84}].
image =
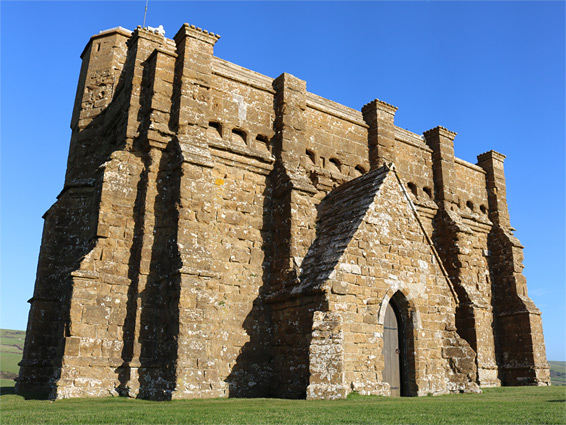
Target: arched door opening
[{"x": 398, "y": 348}]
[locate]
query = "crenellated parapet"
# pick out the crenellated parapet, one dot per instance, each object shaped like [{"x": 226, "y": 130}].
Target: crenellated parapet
[
  {"x": 441, "y": 141},
  {"x": 492, "y": 163},
  {"x": 380, "y": 117}
]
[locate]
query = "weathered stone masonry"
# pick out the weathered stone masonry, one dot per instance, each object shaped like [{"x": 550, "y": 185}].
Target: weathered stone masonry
[{"x": 221, "y": 233}]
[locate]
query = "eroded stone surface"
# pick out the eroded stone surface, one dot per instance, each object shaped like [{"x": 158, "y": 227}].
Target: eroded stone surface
[{"x": 221, "y": 233}]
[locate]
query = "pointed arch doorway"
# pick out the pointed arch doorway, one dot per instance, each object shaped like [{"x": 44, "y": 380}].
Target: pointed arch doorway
[{"x": 400, "y": 318}]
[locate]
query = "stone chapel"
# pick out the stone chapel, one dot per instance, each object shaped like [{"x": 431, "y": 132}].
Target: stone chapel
[{"x": 221, "y": 233}]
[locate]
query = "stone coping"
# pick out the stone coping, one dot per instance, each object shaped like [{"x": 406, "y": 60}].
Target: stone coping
[
  {"x": 226, "y": 69},
  {"x": 469, "y": 165},
  {"x": 410, "y": 138},
  {"x": 336, "y": 109}
]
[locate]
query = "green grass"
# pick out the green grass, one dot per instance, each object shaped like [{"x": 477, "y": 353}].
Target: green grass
[
  {"x": 557, "y": 372},
  {"x": 9, "y": 362},
  {"x": 12, "y": 340},
  {"x": 11, "y": 348},
  {"x": 6, "y": 385},
  {"x": 510, "y": 405}
]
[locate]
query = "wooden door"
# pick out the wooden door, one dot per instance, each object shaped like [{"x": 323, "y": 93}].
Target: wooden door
[{"x": 391, "y": 352}]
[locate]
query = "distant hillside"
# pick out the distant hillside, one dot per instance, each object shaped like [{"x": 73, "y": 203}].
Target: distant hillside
[
  {"x": 557, "y": 372},
  {"x": 11, "y": 349}
]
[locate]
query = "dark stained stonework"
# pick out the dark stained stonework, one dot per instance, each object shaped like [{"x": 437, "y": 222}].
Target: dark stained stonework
[{"x": 221, "y": 233}]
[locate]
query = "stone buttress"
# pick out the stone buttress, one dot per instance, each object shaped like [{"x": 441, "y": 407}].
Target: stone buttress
[
  {"x": 519, "y": 339},
  {"x": 462, "y": 243}
]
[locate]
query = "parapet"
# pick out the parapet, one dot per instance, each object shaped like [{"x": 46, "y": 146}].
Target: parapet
[
  {"x": 440, "y": 131},
  {"x": 380, "y": 105},
  {"x": 116, "y": 30},
  {"x": 489, "y": 155},
  {"x": 196, "y": 32}
]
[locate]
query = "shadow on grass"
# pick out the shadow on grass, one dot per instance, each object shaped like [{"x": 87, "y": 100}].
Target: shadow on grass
[
  {"x": 11, "y": 390},
  {"x": 7, "y": 390}
]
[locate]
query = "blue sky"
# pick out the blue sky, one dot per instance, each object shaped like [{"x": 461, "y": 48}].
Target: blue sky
[{"x": 494, "y": 72}]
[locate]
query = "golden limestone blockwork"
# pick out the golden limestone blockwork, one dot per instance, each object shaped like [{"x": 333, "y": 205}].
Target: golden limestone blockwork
[{"x": 224, "y": 234}]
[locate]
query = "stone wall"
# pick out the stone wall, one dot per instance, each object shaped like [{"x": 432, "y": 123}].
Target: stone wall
[
  {"x": 222, "y": 233},
  {"x": 374, "y": 249}
]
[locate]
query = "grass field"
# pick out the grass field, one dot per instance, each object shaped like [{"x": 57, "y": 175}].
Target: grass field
[
  {"x": 510, "y": 405},
  {"x": 557, "y": 372},
  {"x": 11, "y": 348}
]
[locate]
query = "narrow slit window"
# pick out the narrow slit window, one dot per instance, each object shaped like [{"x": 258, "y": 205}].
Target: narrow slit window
[
  {"x": 311, "y": 156},
  {"x": 428, "y": 191},
  {"x": 239, "y": 135},
  {"x": 413, "y": 188},
  {"x": 263, "y": 142},
  {"x": 336, "y": 163},
  {"x": 215, "y": 128}
]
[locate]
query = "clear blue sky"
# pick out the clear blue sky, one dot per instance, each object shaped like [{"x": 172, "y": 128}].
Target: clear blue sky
[{"x": 494, "y": 72}]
